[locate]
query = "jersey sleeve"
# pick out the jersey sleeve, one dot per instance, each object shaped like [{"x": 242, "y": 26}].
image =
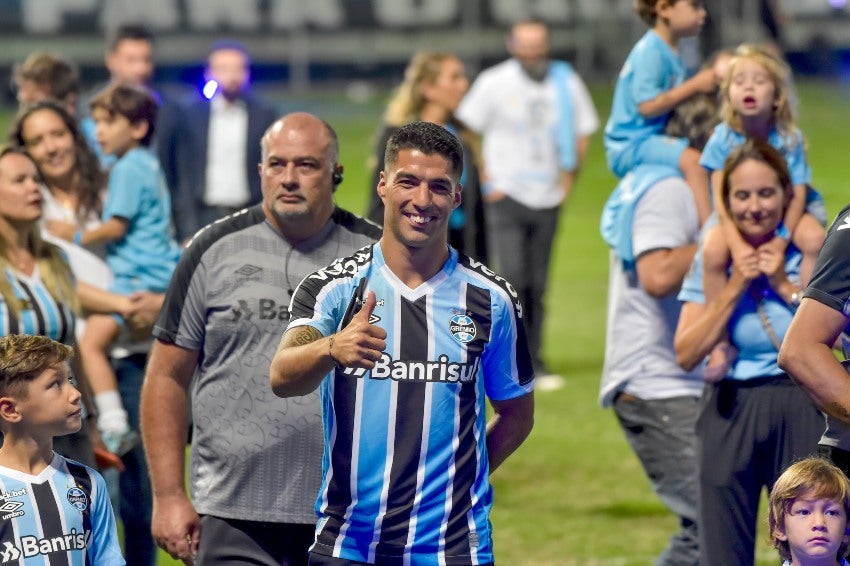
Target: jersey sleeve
[
  {"x": 715, "y": 151},
  {"x": 124, "y": 197},
  {"x": 103, "y": 548},
  {"x": 322, "y": 303},
  {"x": 830, "y": 283},
  {"x": 506, "y": 360},
  {"x": 649, "y": 77},
  {"x": 182, "y": 320}
]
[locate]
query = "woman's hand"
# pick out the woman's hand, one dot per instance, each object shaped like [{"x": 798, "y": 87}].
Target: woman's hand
[
  {"x": 745, "y": 268},
  {"x": 61, "y": 229},
  {"x": 772, "y": 264}
]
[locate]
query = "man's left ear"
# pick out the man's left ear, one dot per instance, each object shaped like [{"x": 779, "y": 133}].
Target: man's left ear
[
  {"x": 458, "y": 197},
  {"x": 382, "y": 185}
]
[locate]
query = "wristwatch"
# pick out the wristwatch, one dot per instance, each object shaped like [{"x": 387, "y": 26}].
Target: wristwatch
[{"x": 796, "y": 297}]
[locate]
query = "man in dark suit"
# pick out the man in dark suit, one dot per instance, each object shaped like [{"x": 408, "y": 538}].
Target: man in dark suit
[{"x": 219, "y": 148}]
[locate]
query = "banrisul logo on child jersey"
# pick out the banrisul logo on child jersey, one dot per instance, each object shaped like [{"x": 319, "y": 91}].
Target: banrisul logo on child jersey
[{"x": 29, "y": 546}]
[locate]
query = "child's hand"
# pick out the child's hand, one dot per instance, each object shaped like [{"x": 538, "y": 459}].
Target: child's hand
[
  {"x": 61, "y": 229},
  {"x": 705, "y": 80},
  {"x": 720, "y": 359},
  {"x": 721, "y": 66}
]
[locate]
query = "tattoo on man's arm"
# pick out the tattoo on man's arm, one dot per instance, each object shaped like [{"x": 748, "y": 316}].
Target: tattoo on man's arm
[
  {"x": 299, "y": 337},
  {"x": 839, "y": 410}
]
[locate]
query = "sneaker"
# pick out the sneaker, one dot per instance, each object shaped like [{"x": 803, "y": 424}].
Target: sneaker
[
  {"x": 119, "y": 443},
  {"x": 549, "y": 382}
]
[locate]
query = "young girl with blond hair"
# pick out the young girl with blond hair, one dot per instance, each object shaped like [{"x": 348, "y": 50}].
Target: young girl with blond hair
[{"x": 758, "y": 102}]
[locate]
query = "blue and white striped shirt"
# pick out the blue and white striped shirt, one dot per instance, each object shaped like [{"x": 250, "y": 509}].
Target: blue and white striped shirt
[
  {"x": 405, "y": 465},
  {"x": 60, "y": 516}
]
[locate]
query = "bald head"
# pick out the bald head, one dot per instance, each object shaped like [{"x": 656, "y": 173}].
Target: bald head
[{"x": 305, "y": 122}]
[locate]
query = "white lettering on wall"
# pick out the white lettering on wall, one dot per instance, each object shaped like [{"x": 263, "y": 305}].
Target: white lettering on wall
[
  {"x": 291, "y": 14},
  {"x": 48, "y": 16},
  {"x": 156, "y": 14},
  {"x": 211, "y": 14},
  {"x": 413, "y": 12}
]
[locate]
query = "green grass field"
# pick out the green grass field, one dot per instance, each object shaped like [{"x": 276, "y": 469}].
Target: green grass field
[{"x": 574, "y": 494}]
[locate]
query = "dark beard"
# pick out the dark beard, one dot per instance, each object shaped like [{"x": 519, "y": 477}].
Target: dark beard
[{"x": 538, "y": 73}]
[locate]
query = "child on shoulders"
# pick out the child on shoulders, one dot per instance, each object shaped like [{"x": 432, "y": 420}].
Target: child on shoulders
[{"x": 651, "y": 84}]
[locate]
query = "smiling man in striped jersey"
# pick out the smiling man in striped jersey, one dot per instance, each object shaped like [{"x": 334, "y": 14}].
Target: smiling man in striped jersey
[{"x": 407, "y": 338}]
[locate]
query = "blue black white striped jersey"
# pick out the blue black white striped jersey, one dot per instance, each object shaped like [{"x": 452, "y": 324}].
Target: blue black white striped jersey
[
  {"x": 39, "y": 313},
  {"x": 62, "y": 516},
  {"x": 405, "y": 467}
]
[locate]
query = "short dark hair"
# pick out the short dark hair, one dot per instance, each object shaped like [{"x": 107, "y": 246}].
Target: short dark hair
[
  {"x": 133, "y": 102},
  {"x": 133, "y": 32},
  {"x": 429, "y": 139},
  {"x": 23, "y": 357},
  {"x": 58, "y": 75}
]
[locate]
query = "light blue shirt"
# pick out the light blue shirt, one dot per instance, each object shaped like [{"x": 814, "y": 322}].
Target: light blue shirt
[
  {"x": 756, "y": 352},
  {"x": 147, "y": 254},
  {"x": 651, "y": 68},
  {"x": 725, "y": 139}
]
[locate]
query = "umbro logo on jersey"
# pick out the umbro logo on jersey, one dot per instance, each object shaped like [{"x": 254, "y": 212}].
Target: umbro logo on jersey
[
  {"x": 248, "y": 270},
  {"x": 10, "y": 506},
  {"x": 845, "y": 224},
  {"x": 11, "y": 509}
]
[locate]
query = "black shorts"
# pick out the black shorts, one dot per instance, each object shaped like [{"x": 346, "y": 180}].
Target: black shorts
[{"x": 231, "y": 542}]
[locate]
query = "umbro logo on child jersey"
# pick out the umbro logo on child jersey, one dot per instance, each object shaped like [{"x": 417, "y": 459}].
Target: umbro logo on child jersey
[{"x": 845, "y": 224}]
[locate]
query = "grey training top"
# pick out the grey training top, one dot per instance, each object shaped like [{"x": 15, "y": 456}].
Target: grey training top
[{"x": 255, "y": 456}]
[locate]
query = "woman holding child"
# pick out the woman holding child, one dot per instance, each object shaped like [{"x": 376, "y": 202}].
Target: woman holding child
[{"x": 754, "y": 421}]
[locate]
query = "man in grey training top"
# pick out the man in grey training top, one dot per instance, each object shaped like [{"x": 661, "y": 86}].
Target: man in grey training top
[{"x": 256, "y": 458}]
